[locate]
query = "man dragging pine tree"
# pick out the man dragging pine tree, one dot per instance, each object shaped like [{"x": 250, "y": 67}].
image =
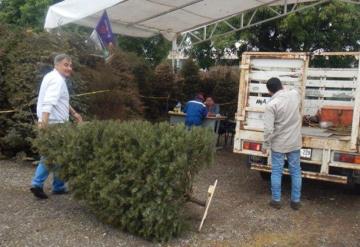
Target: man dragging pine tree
[{"x": 53, "y": 107}]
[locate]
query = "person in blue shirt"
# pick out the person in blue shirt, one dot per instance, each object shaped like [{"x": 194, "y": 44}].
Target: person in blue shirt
[
  {"x": 213, "y": 109},
  {"x": 195, "y": 111}
]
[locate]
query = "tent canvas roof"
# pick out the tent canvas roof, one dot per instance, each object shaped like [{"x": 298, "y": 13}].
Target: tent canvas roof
[{"x": 146, "y": 18}]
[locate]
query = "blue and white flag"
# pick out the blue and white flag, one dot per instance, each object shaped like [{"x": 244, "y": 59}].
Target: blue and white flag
[{"x": 102, "y": 34}]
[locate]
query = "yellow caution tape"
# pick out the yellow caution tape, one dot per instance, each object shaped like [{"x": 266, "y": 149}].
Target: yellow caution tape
[
  {"x": 228, "y": 103},
  {"x": 7, "y": 111},
  {"x": 90, "y": 93}
]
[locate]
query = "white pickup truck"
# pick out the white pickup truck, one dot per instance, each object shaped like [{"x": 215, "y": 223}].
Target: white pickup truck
[{"x": 328, "y": 154}]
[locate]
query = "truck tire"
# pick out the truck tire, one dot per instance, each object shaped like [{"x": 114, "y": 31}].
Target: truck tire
[
  {"x": 353, "y": 188},
  {"x": 357, "y": 189},
  {"x": 353, "y": 184},
  {"x": 266, "y": 176}
]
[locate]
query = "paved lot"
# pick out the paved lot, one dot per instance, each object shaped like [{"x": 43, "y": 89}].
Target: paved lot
[{"x": 239, "y": 215}]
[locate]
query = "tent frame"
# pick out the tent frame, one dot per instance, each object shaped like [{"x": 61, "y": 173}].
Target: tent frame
[{"x": 211, "y": 30}]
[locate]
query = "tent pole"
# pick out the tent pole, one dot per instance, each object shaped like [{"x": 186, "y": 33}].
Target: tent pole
[{"x": 174, "y": 53}]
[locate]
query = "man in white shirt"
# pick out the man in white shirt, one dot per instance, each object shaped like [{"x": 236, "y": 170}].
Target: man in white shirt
[
  {"x": 282, "y": 134},
  {"x": 53, "y": 107}
]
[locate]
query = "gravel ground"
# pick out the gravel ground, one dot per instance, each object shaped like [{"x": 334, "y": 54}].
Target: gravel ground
[{"x": 239, "y": 215}]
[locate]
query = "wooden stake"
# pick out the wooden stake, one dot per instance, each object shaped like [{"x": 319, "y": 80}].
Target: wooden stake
[{"x": 211, "y": 192}]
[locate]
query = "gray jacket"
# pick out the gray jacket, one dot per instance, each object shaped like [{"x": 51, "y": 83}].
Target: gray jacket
[{"x": 282, "y": 122}]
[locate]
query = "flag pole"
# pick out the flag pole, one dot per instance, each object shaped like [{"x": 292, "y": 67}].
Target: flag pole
[{"x": 174, "y": 53}]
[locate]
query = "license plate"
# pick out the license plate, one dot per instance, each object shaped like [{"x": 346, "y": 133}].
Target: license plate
[{"x": 305, "y": 153}]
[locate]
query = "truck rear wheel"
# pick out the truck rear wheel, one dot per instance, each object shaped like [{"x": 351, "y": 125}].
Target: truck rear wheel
[
  {"x": 353, "y": 188},
  {"x": 354, "y": 183},
  {"x": 266, "y": 176}
]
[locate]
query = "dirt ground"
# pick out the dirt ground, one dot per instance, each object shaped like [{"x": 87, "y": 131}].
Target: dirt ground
[{"x": 239, "y": 215}]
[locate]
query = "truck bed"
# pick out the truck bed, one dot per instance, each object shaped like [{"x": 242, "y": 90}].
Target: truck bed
[
  {"x": 321, "y": 88},
  {"x": 326, "y": 133}
]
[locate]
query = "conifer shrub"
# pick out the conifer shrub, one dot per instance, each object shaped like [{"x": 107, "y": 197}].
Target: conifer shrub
[
  {"x": 222, "y": 83},
  {"x": 134, "y": 175},
  {"x": 190, "y": 79},
  {"x": 163, "y": 91},
  {"x": 26, "y": 56}
]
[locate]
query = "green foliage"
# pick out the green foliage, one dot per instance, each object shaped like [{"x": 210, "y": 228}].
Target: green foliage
[
  {"x": 25, "y": 13},
  {"x": 222, "y": 83},
  {"x": 333, "y": 26},
  {"x": 191, "y": 83},
  {"x": 123, "y": 100},
  {"x": 204, "y": 54},
  {"x": 26, "y": 56},
  {"x": 133, "y": 175},
  {"x": 159, "y": 90},
  {"x": 154, "y": 49}
]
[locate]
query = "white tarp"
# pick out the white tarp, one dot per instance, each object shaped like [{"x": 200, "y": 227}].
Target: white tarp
[{"x": 145, "y": 18}]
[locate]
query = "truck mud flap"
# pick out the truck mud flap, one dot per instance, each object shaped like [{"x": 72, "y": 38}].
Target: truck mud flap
[{"x": 305, "y": 174}]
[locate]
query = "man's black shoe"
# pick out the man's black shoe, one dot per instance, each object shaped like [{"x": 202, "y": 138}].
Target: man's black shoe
[
  {"x": 38, "y": 192},
  {"x": 295, "y": 205},
  {"x": 60, "y": 192},
  {"x": 275, "y": 204}
]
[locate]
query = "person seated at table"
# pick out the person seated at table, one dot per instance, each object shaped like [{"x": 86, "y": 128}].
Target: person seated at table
[
  {"x": 213, "y": 109},
  {"x": 195, "y": 111}
]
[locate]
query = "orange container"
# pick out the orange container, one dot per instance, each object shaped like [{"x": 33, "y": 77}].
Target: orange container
[
  {"x": 338, "y": 115},
  {"x": 357, "y": 159}
]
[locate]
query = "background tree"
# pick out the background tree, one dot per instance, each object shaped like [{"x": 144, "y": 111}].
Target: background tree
[
  {"x": 154, "y": 49},
  {"x": 334, "y": 26},
  {"x": 117, "y": 76},
  {"x": 25, "y": 13},
  {"x": 205, "y": 54},
  {"x": 27, "y": 56},
  {"x": 189, "y": 80},
  {"x": 222, "y": 83},
  {"x": 159, "y": 92}
]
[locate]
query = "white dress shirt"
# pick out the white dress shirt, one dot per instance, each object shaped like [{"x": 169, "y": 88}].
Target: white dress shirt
[{"x": 53, "y": 98}]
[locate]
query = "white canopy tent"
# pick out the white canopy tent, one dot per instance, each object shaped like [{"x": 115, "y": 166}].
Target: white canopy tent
[
  {"x": 146, "y": 18},
  {"x": 196, "y": 20}
]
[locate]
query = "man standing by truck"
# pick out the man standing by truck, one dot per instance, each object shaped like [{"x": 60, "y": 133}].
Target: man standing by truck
[{"x": 282, "y": 135}]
